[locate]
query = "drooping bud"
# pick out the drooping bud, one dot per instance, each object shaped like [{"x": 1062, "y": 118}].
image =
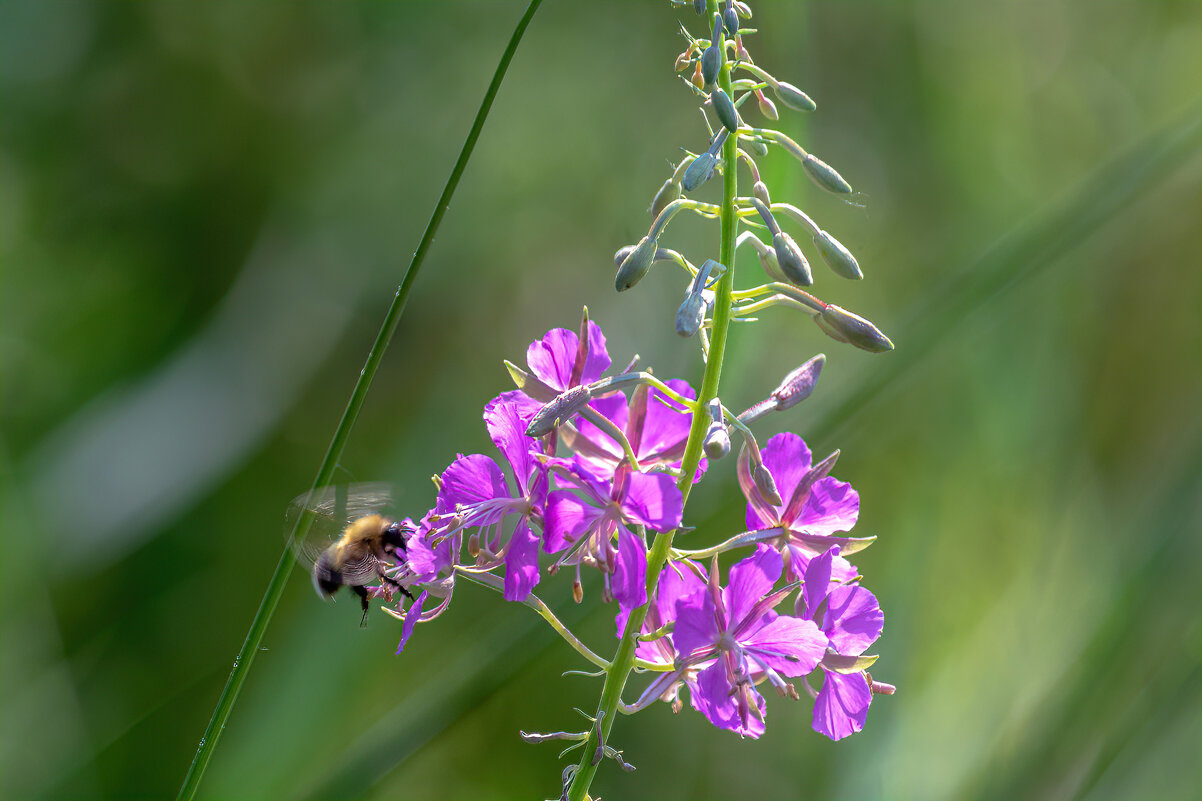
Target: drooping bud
[
  {"x": 682, "y": 61},
  {"x": 844, "y": 326},
  {"x": 690, "y": 315},
  {"x": 837, "y": 257},
  {"x": 700, "y": 171},
  {"x": 761, "y": 206},
  {"x": 635, "y": 266},
  {"x": 799, "y": 384},
  {"x": 767, "y": 107},
  {"x": 792, "y": 263},
  {"x": 793, "y": 97},
  {"x": 758, "y": 148},
  {"x": 760, "y": 190},
  {"x": 824, "y": 175},
  {"x": 717, "y": 438},
  {"x": 563, "y": 407},
  {"x": 667, "y": 193},
  {"x": 771, "y": 266},
  {"x": 765, "y": 484},
  {"x": 742, "y": 9},
  {"x": 725, "y": 110}
]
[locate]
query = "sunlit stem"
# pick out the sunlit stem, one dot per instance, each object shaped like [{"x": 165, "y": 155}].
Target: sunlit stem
[{"x": 534, "y": 602}]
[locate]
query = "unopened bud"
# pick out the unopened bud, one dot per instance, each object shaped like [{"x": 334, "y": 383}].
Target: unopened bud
[
  {"x": 761, "y": 206},
  {"x": 577, "y": 590},
  {"x": 824, "y": 175},
  {"x": 711, "y": 62},
  {"x": 844, "y": 326},
  {"x": 793, "y": 97},
  {"x": 799, "y": 384},
  {"x": 725, "y": 110},
  {"x": 758, "y": 148},
  {"x": 837, "y": 257},
  {"x": 696, "y": 78},
  {"x": 760, "y": 190},
  {"x": 771, "y": 266},
  {"x": 700, "y": 171},
  {"x": 717, "y": 438},
  {"x": 682, "y": 61},
  {"x": 667, "y": 193},
  {"x": 767, "y": 107},
  {"x": 742, "y": 9},
  {"x": 636, "y": 264},
  {"x": 690, "y": 315},
  {"x": 766, "y": 485},
  {"x": 564, "y": 407},
  {"x": 473, "y": 544},
  {"x": 730, "y": 19},
  {"x": 792, "y": 263}
]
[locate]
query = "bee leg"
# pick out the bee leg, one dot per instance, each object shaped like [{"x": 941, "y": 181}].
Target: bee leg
[
  {"x": 396, "y": 585},
  {"x": 362, "y": 593}
]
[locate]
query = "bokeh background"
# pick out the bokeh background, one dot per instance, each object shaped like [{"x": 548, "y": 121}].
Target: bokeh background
[{"x": 205, "y": 209}]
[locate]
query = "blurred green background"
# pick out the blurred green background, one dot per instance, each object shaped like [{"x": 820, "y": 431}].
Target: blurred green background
[{"x": 205, "y": 209}]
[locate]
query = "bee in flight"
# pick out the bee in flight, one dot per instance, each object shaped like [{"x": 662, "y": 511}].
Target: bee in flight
[{"x": 350, "y": 544}]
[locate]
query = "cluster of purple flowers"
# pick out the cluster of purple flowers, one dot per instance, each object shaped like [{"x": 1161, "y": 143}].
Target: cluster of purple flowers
[{"x": 586, "y": 494}]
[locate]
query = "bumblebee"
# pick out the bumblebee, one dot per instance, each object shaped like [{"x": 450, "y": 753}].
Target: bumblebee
[{"x": 364, "y": 550}]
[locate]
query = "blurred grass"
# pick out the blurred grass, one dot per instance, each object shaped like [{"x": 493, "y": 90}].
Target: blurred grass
[{"x": 202, "y": 208}]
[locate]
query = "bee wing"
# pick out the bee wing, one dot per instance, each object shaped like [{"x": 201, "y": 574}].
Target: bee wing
[{"x": 331, "y": 508}]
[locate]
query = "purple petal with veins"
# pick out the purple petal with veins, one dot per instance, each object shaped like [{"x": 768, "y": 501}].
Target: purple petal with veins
[
  {"x": 842, "y": 704},
  {"x": 566, "y": 519},
  {"x": 750, "y": 580},
  {"x": 832, "y": 506},
  {"x": 506, "y": 417},
  {"x": 411, "y": 617},
  {"x": 853, "y": 619},
  {"x": 788, "y": 645},
  {"x": 521, "y": 562},
  {"x": 630, "y": 573},
  {"x": 551, "y": 359},
  {"x": 696, "y": 627},
  {"x": 653, "y": 500},
  {"x": 471, "y": 480},
  {"x": 711, "y": 696}
]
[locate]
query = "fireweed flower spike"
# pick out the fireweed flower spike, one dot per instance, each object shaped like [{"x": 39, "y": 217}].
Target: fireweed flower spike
[{"x": 601, "y": 467}]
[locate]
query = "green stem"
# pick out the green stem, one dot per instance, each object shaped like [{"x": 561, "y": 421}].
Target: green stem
[
  {"x": 283, "y": 568},
  {"x": 657, "y": 557}
]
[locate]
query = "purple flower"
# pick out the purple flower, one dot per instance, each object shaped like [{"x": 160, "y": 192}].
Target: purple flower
[
  {"x": 680, "y": 578},
  {"x": 852, "y": 620},
  {"x": 562, "y": 360},
  {"x": 814, "y": 509},
  {"x": 741, "y": 641},
  {"x": 656, "y": 426},
  {"x": 475, "y": 488},
  {"x": 411, "y": 618},
  {"x": 586, "y": 523}
]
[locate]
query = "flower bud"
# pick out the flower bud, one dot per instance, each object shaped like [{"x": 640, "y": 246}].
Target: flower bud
[
  {"x": 793, "y": 97},
  {"x": 742, "y": 9},
  {"x": 690, "y": 315},
  {"x": 636, "y": 264},
  {"x": 758, "y": 148},
  {"x": 837, "y": 257},
  {"x": 761, "y": 206},
  {"x": 725, "y": 109},
  {"x": 844, "y": 326},
  {"x": 563, "y": 407},
  {"x": 792, "y": 263},
  {"x": 717, "y": 438},
  {"x": 730, "y": 19},
  {"x": 799, "y": 384},
  {"x": 696, "y": 78},
  {"x": 711, "y": 62},
  {"x": 760, "y": 190},
  {"x": 765, "y": 484},
  {"x": 767, "y": 107},
  {"x": 700, "y": 171},
  {"x": 824, "y": 175},
  {"x": 667, "y": 193},
  {"x": 682, "y": 61},
  {"x": 771, "y": 266}
]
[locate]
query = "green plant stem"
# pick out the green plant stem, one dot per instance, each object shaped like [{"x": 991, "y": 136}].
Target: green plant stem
[
  {"x": 283, "y": 568},
  {"x": 657, "y": 557}
]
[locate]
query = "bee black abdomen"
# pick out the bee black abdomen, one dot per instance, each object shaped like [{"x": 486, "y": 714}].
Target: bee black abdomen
[
  {"x": 329, "y": 583},
  {"x": 394, "y": 537}
]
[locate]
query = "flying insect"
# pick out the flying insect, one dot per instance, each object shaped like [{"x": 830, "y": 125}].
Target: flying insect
[{"x": 350, "y": 543}]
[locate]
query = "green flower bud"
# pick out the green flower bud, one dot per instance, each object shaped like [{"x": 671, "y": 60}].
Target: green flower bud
[
  {"x": 824, "y": 175},
  {"x": 760, "y": 190},
  {"x": 725, "y": 110},
  {"x": 562, "y": 408},
  {"x": 636, "y": 264},
  {"x": 766, "y": 485},
  {"x": 837, "y": 257},
  {"x": 667, "y": 193},
  {"x": 792, "y": 263},
  {"x": 700, "y": 171},
  {"x": 761, "y": 206},
  {"x": 771, "y": 265},
  {"x": 742, "y": 9},
  {"x": 758, "y": 148},
  {"x": 767, "y": 107},
  {"x": 793, "y": 97},
  {"x": 717, "y": 437},
  {"x": 844, "y": 326}
]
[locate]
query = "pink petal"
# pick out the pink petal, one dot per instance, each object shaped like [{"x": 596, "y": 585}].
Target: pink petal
[
  {"x": 750, "y": 580},
  {"x": 521, "y": 562},
  {"x": 653, "y": 500},
  {"x": 853, "y": 620},
  {"x": 789, "y": 645},
  {"x": 842, "y": 704},
  {"x": 411, "y": 617},
  {"x": 833, "y": 506}
]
